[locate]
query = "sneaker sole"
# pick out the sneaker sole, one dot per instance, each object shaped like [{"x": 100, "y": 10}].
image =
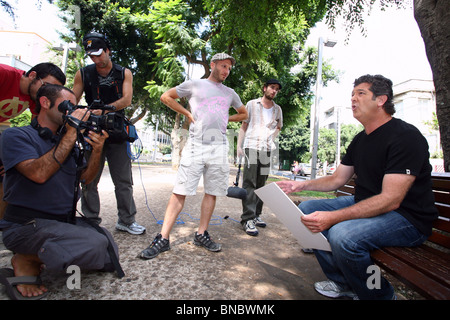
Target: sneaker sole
[
  {"x": 199, "y": 244},
  {"x": 124, "y": 229},
  {"x": 252, "y": 233},
  {"x": 153, "y": 256},
  {"x": 331, "y": 294}
]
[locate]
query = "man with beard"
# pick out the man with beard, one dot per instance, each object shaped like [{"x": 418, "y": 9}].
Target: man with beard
[
  {"x": 18, "y": 88},
  {"x": 206, "y": 151},
  {"x": 257, "y": 141},
  {"x": 41, "y": 163},
  {"x": 18, "y": 92}
]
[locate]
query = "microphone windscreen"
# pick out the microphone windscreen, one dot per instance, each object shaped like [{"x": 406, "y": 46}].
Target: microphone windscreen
[{"x": 236, "y": 192}]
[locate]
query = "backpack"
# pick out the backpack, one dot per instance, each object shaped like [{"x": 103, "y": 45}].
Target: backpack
[
  {"x": 92, "y": 88},
  {"x": 93, "y": 91}
]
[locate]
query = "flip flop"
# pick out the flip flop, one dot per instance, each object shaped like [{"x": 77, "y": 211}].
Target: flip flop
[{"x": 10, "y": 282}]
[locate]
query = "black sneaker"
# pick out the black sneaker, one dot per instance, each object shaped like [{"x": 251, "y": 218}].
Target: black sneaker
[
  {"x": 204, "y": 240},
  {"x": 158, "y": 246}
]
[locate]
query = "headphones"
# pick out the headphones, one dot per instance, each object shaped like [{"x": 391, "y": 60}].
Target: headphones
[{"x": 44, "y": 133}]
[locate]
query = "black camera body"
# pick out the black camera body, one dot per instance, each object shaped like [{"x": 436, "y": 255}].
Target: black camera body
[{"x": 111, "y": 122}]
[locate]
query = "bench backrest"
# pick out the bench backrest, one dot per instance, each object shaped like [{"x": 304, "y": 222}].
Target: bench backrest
[{"x": 441, "y": 191}]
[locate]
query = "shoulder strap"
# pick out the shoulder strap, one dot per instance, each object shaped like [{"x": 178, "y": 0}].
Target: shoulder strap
[
  {"x": 119, "y": 76},
  {"x": 90, "y": 82}
]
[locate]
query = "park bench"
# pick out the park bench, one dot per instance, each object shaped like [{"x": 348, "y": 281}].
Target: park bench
[{"x": 426, "y": 268}]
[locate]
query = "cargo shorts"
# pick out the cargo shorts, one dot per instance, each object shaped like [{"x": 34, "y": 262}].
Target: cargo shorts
[{"x": 209, "y": 161}]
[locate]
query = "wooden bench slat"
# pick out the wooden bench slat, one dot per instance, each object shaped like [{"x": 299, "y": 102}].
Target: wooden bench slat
[
  {"x": 443, "y": 209},
  {"x": 347, "y": 189},
  {"x": 440, "y": 239},
  {"x": 441, "y": 224},
  {"x": 428, "y": 247},
  {"x": 441, "y": 184},
  {"x": 342, "y": 194},
  {"x": 425, "y": 261},
  {"x": 442, "y": 197},
  {"x": 423, "y": 284}
]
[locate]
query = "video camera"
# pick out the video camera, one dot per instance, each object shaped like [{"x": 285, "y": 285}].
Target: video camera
[{"x": 111, "y": 122}]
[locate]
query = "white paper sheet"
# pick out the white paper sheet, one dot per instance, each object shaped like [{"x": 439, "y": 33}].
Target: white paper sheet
[{"x": 289, "y": 214}]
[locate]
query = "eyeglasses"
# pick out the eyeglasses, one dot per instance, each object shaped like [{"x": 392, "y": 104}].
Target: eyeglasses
[{"x": 42, "y": 82}]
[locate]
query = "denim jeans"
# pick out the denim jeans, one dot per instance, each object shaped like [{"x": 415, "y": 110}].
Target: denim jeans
[{"x": 352, "y": 241}]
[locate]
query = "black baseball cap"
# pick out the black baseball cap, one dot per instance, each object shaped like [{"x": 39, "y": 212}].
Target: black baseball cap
[
  {"x": 94, "y": 43},
  {"x": 273, "y": 81}
]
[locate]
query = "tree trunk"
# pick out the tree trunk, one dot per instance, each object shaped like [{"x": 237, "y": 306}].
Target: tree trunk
[
  {"x": 433, "y": 18},
  {"x": 179, "y": 136}
]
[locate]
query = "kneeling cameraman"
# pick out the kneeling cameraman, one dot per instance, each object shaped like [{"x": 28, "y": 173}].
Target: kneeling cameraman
[{"x": 42, "y": 164}]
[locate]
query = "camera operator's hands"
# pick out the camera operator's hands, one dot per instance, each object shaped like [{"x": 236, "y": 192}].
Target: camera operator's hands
[
  {"x": 81, "y": 115},
  {"x": 97, "y": 140},
  {"x": 97, "y": 112}
]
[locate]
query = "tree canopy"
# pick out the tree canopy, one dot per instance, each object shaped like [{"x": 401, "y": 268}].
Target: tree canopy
[{"x": 159, "y": 40}]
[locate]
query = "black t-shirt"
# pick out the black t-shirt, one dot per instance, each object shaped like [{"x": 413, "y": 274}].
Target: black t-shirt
[{"x": 395, "y": 147}]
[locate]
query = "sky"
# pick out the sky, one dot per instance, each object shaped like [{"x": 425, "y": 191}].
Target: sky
[
  {"x": 44, "y": 22},
  {"x": 393, "y": 46}
]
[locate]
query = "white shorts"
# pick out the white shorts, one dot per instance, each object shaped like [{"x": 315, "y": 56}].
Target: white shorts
[{"x": 209, "y": 161}]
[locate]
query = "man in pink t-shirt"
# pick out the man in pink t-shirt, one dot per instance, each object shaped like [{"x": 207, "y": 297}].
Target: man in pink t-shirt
[{"x": 206, "y": 151}]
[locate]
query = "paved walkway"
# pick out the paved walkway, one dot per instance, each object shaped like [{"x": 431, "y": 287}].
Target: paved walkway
[{"x": 270, "y": 266}]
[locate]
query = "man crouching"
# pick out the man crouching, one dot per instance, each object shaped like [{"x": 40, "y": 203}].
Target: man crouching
[{"x": 41, "y": 163}]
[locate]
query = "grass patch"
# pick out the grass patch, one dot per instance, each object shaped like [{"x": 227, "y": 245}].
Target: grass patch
[{"x": 316, "y": 194}]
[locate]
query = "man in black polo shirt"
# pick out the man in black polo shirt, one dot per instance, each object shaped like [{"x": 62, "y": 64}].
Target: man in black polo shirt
[{"x": 393, "y": 203}]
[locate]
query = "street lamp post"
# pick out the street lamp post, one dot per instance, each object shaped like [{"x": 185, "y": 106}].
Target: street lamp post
[
  {"x": 72, "y": 46},
  {"x": 315, "y": 131}
]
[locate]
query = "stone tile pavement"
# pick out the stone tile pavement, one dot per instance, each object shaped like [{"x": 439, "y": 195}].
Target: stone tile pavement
[{"x": 270, "y": 266}]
